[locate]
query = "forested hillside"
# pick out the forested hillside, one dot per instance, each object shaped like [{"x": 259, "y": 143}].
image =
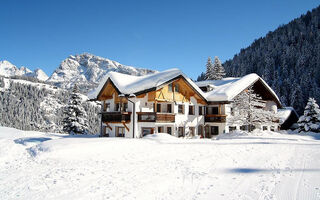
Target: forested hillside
[
  {"x": 287, "y": 58},
  {"x": 37, "y": 106}
]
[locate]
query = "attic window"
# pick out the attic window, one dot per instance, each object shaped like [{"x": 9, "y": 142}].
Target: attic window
[
  {"x": 176, "y": 87},
  {"x": 170, "y": 88}
]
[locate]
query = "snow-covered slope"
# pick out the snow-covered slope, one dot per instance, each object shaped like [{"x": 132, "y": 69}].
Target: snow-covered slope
[
  {"x": 87, "y": 70},
  {"x": 7, "y": 69},
  {"x": 268, "y": 165}
]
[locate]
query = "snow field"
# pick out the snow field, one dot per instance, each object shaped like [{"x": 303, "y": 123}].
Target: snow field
[{"x": 263, "y": 165}]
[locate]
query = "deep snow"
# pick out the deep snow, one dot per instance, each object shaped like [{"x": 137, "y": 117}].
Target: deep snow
[{"x": 261, "y": 165}]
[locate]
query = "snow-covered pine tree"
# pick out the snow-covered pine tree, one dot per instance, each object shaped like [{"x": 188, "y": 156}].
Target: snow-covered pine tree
[
  {"x": 310, "y": 120},
  {"x": 75, "y": 121},
  {"x": 1, "y": 82},
  {"x": 218, "y": 69},
  {"x": 209, "y": 72},
  {"x": 248, "y": 109}
]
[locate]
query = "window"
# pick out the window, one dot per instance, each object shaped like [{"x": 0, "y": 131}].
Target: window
[
  {"x": 180, "y": 131},
  {"x": 120, "y": 132},
  {"x": 215, "y": 110},
  {"x": 265, "y": 128},
  {"x": 158, "y": 107},
  {"x": 106, "y": 106},
  {"x": 232, "y": 128},
  {"x": 117, "y": 107},
  {"x": 125, "y": 107},
  {"x": 232, "y": 111},
  {"x": 169, "y": 108},
  {"x": 146, "y": 117},
  {"x": 176, "y": 87},
  {"x": 191, "y": 110},
  {"x": 200, "y": 110},
  {"x": 214, "y": 130},
  {"x": 169, "y": 130},
  {"x": 180, "y": 109},
  {"x": 170, "y": 88},
  {"x": 147, "y": 131},
  {"x": 244, "y": 127}
]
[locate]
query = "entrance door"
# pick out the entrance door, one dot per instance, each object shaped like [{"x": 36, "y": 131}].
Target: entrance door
[
  {"x": 200, "y": 131},
  {"x": 180, "y": 131},
  {"x": 169, "y": 130},
  {"x": 160, "y": 129},
  {"x": 120, "y": 131},
  {"x": 191, "y": 131},
  {"x": 207, "y": 132},
  {"x": 214, "y": 130}
]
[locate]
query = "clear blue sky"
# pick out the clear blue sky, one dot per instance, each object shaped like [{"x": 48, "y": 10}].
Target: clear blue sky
[{"x": 151, "y": 34}]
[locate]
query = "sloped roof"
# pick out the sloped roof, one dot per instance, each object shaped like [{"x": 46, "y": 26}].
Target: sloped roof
[
  {"x": 284, "y": 113},
  {"x": 227, "y": 88},
  {"x": 129, "y": 84},
  {"x": 223, "y": 90}
]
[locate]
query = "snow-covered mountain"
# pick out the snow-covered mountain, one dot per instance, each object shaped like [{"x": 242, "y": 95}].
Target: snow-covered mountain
[
  {"x": 87, "y": 70},
  {"x": 7, "y": 69},
  {"x": 38, "y": 74}
]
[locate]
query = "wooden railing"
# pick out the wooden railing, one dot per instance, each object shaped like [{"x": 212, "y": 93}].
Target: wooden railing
[
  {"x": 116, "y": 117},
  {"x": 215, "y": 118},
  {"x": 155, "y": 117},
  {"x": 165, "y": 117}
]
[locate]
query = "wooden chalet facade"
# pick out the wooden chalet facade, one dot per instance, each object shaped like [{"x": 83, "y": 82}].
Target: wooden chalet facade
[{"x": 165, "y": 102}]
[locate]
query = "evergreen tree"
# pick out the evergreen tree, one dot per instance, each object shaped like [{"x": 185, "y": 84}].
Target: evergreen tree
[
  {"x": 218, "y": 70},
  {"x": 202, "y": 77},
  {"x": 209, "y": 73},
  {"x": 310, "y": 120},
  {"x": 75, "y": 121},
  {"x": 249, "y": 110}
]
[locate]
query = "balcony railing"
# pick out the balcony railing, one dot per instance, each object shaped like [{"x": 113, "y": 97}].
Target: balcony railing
[
  {"x": 215, "y": 118},
  {"x": 156, "y": 117},
  {"x": 116, "y": 117}
]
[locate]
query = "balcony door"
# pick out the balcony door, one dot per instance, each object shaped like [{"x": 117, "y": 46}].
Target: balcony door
[
  {"x": 169, "y": 108},
  {"x": 158, "y": 107}
]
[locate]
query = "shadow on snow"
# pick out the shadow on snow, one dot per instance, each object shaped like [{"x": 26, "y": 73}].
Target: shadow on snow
[{"x": 262, "y": 170}]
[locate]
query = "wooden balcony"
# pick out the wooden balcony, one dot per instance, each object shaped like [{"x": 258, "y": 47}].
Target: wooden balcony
[
  {"x": 215, "y": 118},
  {"x": 156, "y": 117},
  {"x": 116, "y": 117}
]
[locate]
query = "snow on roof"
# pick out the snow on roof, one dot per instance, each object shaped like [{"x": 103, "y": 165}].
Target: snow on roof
[
  {"x": 227, "y": 88},
  {"x": 129, "y": 84},
  {"x": 284, "y": 113}
]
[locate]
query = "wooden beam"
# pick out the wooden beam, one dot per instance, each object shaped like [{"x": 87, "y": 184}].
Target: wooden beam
[
  {"x": 124, "y": 124},
  {"x": 108, "y": 126}
]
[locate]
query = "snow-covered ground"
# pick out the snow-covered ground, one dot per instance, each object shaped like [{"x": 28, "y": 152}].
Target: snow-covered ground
[{"x": 267, "y": 165}]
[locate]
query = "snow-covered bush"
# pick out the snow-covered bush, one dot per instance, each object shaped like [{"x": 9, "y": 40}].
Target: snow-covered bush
[{"x": 310, "y": 120}]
